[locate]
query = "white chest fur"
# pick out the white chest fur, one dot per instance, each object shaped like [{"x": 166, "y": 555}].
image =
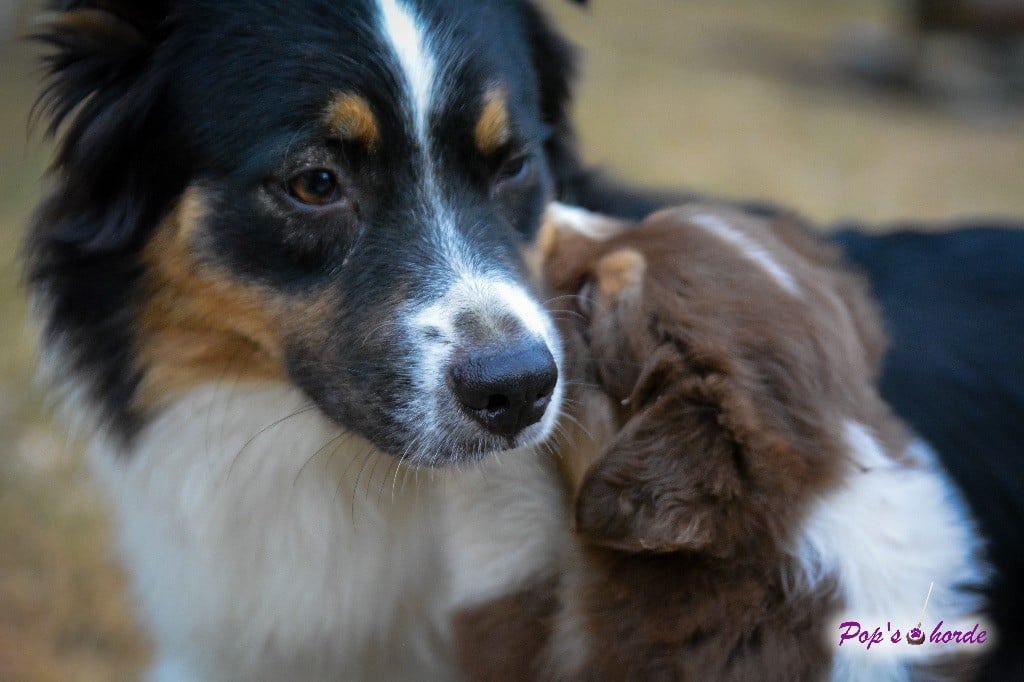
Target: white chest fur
[{"x": 265, "y": 543}]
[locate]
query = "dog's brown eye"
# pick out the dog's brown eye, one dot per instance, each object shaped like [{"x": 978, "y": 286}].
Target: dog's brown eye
[
  {"x": 317, "y": 187},
  {"x": 514, "y": 169}
]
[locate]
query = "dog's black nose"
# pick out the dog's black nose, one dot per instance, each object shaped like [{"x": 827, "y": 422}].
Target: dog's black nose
[{"x": 505, "y": 389}]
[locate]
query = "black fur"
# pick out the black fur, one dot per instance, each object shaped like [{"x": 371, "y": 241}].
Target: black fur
[
  {"x": 149, "y": 98},
  {"x": 119, "y": 166}
]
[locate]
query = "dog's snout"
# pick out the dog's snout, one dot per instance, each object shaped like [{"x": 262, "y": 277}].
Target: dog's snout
[{"x": 505, "y": 389}]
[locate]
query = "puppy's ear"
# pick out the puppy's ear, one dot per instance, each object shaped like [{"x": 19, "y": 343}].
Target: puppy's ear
[
  {"x": 102, "y": 93},
  {"x": 695, "y": 469},
  {"x": 567, "y": 235}
]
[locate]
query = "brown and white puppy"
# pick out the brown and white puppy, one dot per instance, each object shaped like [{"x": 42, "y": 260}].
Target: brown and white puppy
[{"x": 760, "y": 496}]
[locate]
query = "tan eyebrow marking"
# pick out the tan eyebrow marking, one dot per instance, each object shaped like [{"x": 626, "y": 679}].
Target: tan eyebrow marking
[
  {"x": 492, "y": 128},
  {"x": 350, "y": 117}
]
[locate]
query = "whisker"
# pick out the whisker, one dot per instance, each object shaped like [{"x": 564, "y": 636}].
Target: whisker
[
  {"x": 263, "y": 430},
  {"x": 355, "y": 488},
  {"x": 579, "y": 424},
  {"x": 561, "y": 297},
  {"x": 557, "y": 313},
  {"x": 584, "y": 384},
  {"x": 344, "y": 434},
  {"x": 389, "y": 323},
  {"x": 232, "y": 390},
  {"x": 383, "y": 481}
]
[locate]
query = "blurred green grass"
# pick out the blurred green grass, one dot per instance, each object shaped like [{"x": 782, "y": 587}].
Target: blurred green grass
[{"x": 696, "y": 93}]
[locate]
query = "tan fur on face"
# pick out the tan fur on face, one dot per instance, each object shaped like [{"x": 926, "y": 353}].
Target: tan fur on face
[
  {"x": 493, "y": 130},
  {"x": 350, "y": 117},
  {"x": 200, "y": 324}
]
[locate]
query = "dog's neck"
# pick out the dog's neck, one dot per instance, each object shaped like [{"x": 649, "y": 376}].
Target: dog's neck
[
  {"x": 275, "y": 434},
  {"x": 330, "y": 549}
]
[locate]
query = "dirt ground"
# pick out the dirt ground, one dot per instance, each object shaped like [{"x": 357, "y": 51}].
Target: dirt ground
[{"x": 728, "y": 96}]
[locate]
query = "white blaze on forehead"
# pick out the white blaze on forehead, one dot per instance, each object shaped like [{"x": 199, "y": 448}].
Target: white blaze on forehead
[
  {"x": 749, "y": 248},
  {"x": 407, "y": 35},
  {"x": 412, "y": 45}
]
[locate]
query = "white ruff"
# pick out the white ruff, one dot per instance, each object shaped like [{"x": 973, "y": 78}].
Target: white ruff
[
  {"x": 251, "y": 564},
  {"x": 886, "y": 535}
]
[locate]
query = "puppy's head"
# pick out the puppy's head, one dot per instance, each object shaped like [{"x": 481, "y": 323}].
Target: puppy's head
[
  {"x": 732, "y": 347},
  {"x": 331, "y": 194}
]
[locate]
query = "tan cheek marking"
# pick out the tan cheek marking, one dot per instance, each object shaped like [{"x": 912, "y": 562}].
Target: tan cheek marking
[
  {"x": 621, "y": 272},
  {"x": 492, "y": 128},
  {"x": 350, "y": 117},
  {"x": 199, "y": 325}
]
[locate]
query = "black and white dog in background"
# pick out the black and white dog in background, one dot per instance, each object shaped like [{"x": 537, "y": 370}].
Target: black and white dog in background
[{"x": 279, "y": 274}]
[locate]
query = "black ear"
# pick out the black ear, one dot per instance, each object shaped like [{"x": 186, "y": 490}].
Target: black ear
[
  {"x": 119, "y": 166},
  {"x": 102, "y": 97},
  {"x": 554, "y": 63}
]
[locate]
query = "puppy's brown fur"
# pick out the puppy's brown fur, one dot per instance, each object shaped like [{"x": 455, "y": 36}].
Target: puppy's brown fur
[{"x": 731, "y": 385}]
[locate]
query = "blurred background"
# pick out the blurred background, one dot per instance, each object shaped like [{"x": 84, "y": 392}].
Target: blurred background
[{"x": 877, "y": 110}]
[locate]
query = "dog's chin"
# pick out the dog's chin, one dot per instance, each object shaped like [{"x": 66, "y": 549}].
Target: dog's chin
[{"x": 468, "y": 445}]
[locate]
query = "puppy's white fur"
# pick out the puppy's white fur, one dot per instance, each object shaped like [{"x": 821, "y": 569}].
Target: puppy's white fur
[{"x": 886, "y": 535}]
